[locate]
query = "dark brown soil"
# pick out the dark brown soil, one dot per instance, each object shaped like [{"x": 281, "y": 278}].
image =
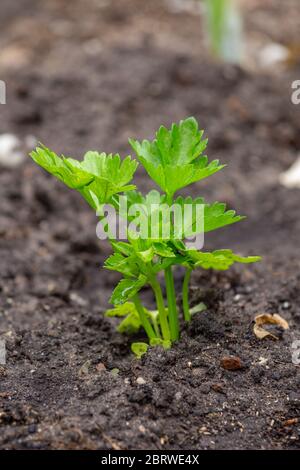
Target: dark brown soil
[{"x": 87, "y": 77}]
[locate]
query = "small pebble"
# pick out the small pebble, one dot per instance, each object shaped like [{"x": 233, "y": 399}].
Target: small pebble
[
  {"x": 77, "y": 299},
  {"x": 10, "y": 154},
  {"x": 273, "y": 54},
  {"x": 140, "y": 381},
  {"x": 291, "y": 177},
  {"x": 237, "y": 297}
]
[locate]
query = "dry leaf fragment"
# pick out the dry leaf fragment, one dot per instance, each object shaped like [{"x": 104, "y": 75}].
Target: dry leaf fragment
[
  {"x": 268, "y": 319},
  {"x": 275, "y": 319},
  {"x": 260, "y": 333},
  {"x": 281, "y": 321}
]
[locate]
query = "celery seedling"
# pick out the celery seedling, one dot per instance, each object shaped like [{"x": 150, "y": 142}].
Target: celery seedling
[{"x": 174, "y": 159}]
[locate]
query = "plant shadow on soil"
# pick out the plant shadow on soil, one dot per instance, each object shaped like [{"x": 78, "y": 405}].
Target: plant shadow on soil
[{"x": 60, "y": 387}]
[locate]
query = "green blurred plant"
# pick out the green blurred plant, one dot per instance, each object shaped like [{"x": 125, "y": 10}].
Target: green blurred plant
[{"x": 224, "y": 29}]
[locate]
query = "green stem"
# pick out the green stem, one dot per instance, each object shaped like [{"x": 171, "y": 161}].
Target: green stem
[
  {"x": 156, "y": 327},
  {"x": 163, "y": 319},
  {"x": 169, "y": 199},
  {"x": 185, "y": 295},
  {"x": 171, "y": 296},
  {"x": 144, "y": 320}
]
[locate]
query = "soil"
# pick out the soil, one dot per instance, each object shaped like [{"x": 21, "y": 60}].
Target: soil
[{"x": 89, "y": 76}]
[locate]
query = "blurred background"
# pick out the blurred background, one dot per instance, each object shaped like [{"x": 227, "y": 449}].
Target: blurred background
[
  {"x": 88, "y": 74},
  {"x": 82, "y": 74}
]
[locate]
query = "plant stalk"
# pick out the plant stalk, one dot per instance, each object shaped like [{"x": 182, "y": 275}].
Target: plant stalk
[
  {"x": 156, "y": 328},
  {"x": 163, "y": 319},
  {"x": 144, "y": 320},
  {"x": 171, "y": 297},
  {"x": 185, "y": 295}
]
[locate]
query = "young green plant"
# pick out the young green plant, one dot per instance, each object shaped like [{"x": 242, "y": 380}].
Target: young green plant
[{"x": 173, "y": 160}]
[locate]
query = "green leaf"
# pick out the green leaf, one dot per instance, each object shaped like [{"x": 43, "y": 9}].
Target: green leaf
[
  {"x": 178, "y": 146},
  {"x": 146, "y": 202},
  {"x": 126, "y": 289},
  {"x": 72, "y": 175},
  {"x": 121, "y": 310},
  {"x": 147, "y": 255},
  {"x": 126, "y": 266},
  {"x": 98, "y": 177},
  {"x": 155, "y": 215},
  {"x": 163, "y": 250},
  {"x": 198, "y": 308},
  {"x": 219, "y": 260},
  {"x": 214, "y": 216},
  {"x": 164, "y": 263},
  {"x": 166, "y": 344},
  {"x": 139, "y": 349},
  {"x": 178, "y": 245},
  {"x": 110, "y": 167},
  {"x": 122, "y": 247},
  {"x": 130, "y": 325},
  {"x": 173, "y": 160}
]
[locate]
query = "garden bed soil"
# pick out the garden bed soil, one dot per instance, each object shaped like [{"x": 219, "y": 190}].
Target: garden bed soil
[{"x": 70, "y": 381}]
